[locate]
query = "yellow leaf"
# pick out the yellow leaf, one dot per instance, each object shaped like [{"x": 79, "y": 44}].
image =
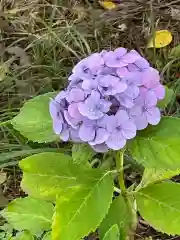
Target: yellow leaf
[
  {"x": 108, "y": 5},
  {"x": 162, "y": 38}
]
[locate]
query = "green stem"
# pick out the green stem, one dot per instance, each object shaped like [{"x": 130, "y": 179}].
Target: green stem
[
  {"x": 119, "y": 165},
  {"x": 119, "y": 157}
]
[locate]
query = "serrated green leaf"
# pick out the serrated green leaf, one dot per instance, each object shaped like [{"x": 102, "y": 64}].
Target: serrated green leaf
[
  {"x": 30, "y": 214},
  {"x": 152, "y": 175},
  {"x": 158, "y": 146},
  {"x": 34, "y": 121},
  {"x": 112, "y": 233},
  {"x": 175, "y": 52},
  {"x": 24, "y": 236},
  {"x": 82, "y": 153},
  {"x": 118, "y": 214},
  {"x": 159, "y": 205},
  {"x": 81, "y": 212},
  {"x": 168, "y": 97},
  {"x": 47, "y": 174}
]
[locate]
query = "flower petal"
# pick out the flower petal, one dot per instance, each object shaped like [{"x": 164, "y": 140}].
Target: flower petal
[
  {"x": 86, "y": 133},
  {"x": 116, "y": 141},
  {"x": 140, "y": 121},
  {"x": 128, "y": 130},
  {"x": 153, "y": 115},
  {"x": 101, "y": 136},
  {"x": 102, "y": 148}
]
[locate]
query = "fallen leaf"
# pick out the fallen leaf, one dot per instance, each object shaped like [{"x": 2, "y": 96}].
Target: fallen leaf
[
  {"x": 2, "y": 177},
  {"x": 4, "y": 68},
  {"x": 108, "y": 5},
  {"x": 161, "y": 39},
  {"x": 19, "y": 52}
]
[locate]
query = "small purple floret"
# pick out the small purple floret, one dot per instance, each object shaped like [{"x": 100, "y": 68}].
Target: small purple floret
[{"x": 109, "y": 97}]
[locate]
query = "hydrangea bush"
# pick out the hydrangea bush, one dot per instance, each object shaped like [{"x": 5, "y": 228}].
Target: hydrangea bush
[
  {"x": 110, "y": 96},
  {"x": 79, "y": 188}
]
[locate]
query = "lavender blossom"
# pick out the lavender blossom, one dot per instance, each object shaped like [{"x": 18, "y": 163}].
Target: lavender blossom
[{"x": 109, "y": 97}]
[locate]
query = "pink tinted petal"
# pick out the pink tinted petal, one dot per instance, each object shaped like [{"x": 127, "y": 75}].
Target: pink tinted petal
[
  {"x": 75, "y": 95},
  {"x": 128, "y": 130},
  {"x": 123, "y": 71},
  {"x": 151, "y": 78},
  {"x": 74, "y": 112},
  {"x": 86, "y": 133},
  {"x": 153, "y": 115},
  {"x": 102, "y": 148},
  {"x": 120, "y": 51},
  {"x": 133, "y": 68},
  {"x": 116, "y": 141},
  {"x": 142, "y": 63},
  {"x": 150, "y": 99},
  {"x": 140, "y": 121},
  {"x": 160, "y": 91},
  {"x": 101, "y": 136},
  {"x": 131, "y": 57},
  {"x": 83, "y": 109}
]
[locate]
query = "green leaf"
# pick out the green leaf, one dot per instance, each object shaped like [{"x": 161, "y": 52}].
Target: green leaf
[
  {"x": 158, "y": 146},
  {"x": 47, "y": 236},
  {"x": 118, "y": 214},
  {"x": 47, "y": 174},
  {"x": 159, "y": 205},
  {"x": 112, "y": 233},
  {"x": 152, "y": 175},
  {"x": 82, "y": 153},
  {"x": 29, "y": 213},
  {"x": 175, "y": 52},
  {"x": 34, "y": 121},
  {"x": 168, "y": 97},
  {"x": 25, "y": 235},
  {"x": 81, "y": 213}
]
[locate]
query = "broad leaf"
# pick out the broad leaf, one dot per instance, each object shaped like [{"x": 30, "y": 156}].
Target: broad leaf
[
  {"x": 81, "y": 213},
  {"x": 158, "y": 146},
  {"x": 112, "y": 233},
  {"x": 30, "y": 214},
  {"x": 82, "y": 153},
  {"x": 159, "y": 205},
  {"x": 152, "y": 175},
  {"x": 47, "y": 174},
  {"x": 25, "y": 235},
  {"x": 118, "y": 214},
  {"x": 34, "y": 121},
  {"x": 47, "y": 236},
  {"x": 168, "y": 97}
]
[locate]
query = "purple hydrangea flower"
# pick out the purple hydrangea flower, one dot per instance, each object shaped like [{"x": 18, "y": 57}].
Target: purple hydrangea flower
[{"x": 109, "y": 97}]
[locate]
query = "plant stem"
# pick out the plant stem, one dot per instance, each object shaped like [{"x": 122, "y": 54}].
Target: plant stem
[
  {"x": 119, "y": 165},
  {"x": 119, "y": 157}
]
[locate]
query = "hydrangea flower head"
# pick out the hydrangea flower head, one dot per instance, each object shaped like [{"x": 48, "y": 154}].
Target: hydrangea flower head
[{"x": 110, "y": 95}]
